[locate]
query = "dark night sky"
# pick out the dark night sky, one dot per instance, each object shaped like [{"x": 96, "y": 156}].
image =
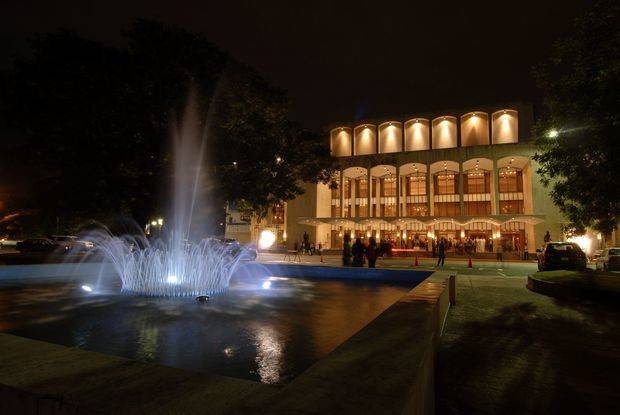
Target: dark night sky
[{"x": 342, "y": 60}]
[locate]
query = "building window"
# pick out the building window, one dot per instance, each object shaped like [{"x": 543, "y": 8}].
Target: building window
[
  {"x": 388, "y": 187},
  {"x": 477, "y": 208},
  {"x": 510, "y": 180},
  {"x": 335, "y": 211},
  {"x": 477, "y": 182},
  {"x": 447, "y": 209},
  {"x": 416, "y": 185},
  {"x": 347, "y": 188},
  {"x": 361, "y": 189},
  {"x": 278, "y": 214},
  {"x": 507, "y": 207},
  {"x": 417, "y": 209},
  {"x": 388, "y": 210},
  {"x": 335, "y": 190},
  {"x": 446, "y": 183}
]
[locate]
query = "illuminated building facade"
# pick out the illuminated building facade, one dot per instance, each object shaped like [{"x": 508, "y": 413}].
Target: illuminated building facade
[{"x": 466, "y": 175}]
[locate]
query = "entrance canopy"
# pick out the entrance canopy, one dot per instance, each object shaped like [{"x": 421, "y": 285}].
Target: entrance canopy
[{"x": 424, "y": 220}]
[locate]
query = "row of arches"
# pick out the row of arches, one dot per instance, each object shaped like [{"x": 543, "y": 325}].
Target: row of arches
[
  {"x": 475, "y": 187},
  {"x": 423, "y": 134}
]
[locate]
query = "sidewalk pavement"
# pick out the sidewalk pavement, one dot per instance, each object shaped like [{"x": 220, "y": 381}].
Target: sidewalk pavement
[{"x": 481, "y": 267}]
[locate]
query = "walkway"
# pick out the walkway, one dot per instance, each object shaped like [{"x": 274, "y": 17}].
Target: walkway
[
  {"x": 508, "y": 350},
  {"x": 481, "y": 267}
]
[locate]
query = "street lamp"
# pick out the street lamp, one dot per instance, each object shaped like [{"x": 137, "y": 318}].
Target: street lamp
[{"x": 553, "y": 133}]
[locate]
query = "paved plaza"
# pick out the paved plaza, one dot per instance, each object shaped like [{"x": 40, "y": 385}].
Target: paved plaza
[{"x": 506, "y": 350}]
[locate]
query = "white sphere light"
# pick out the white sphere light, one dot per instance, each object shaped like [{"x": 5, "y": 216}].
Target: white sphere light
[{"x": 266, "y": 240}]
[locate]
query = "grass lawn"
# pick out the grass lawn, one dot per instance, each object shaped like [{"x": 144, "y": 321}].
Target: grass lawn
[{"x": 606, "y": 281}]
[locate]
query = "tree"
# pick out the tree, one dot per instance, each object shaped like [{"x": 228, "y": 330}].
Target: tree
[
  {"x": 578, "y": 136},
  {"x": 97, "y": 120}
]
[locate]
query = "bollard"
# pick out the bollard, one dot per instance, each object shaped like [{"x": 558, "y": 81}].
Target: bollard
[
  {"x": 416, "y": 261},
  {"x": 452, "y": 290},
  {"x": 469, "y": 264}
]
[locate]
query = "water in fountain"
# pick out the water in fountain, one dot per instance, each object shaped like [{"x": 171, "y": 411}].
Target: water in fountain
[{"x": 174, "y": 266}]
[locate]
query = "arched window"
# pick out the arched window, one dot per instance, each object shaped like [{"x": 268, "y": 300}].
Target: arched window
[
  {"x": 446, "y": 191},
  {"x": 510, "y": 179},
  {"x": 510, "y": 190}
]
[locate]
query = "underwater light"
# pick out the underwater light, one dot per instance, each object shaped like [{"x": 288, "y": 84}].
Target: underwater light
[
  {"x": 266, "y": 285},
  {"x": 172, "y": 279},
  {"x": 87, "y": 288}
]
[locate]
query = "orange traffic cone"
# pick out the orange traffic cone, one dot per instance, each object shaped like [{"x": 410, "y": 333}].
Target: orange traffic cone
[
  {"x": 416, "y": 261},
  {"x": 469, "y": 264}
]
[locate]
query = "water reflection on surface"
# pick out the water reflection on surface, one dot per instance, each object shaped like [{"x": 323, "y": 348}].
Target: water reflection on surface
[{"x": 266, "y": 332}]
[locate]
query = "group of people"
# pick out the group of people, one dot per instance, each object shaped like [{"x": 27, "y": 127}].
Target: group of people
[
  {"x": 307, "y": 247},
  {"x": 357, "y": 253}
]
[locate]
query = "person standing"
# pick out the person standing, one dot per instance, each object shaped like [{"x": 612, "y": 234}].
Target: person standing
[
  {"x": 371, "y": 252},
  {"x": 346, "y": 251},
  {"x": 358, "y": 251},
  {"x": 547, "y": 237},
  {"x": 441, "y": 251},
  {"x": 525, "y": 253},
  {"x": 500, "y": 249},
  {"x": 306, "y": 243}
]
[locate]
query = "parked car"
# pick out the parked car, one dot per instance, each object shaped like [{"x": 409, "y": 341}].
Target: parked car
[
  {"x": 609, "y": 260},
  {"x": 6, "y": 241},
  {"x": 72, "y": 243},
  {"x": 561, "y": 255},
  {"x": 245, "y": 252},
  {"x": 36, "y": 245},
  {"x": 596, "y": 254}
]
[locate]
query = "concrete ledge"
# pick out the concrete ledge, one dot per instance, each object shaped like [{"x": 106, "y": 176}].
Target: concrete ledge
[
  {"x": 44, "y": 378},
  {"x": 386, "y": 368}
]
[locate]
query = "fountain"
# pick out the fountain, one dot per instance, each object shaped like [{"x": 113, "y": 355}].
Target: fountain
[{"x": 172, "y": 265}]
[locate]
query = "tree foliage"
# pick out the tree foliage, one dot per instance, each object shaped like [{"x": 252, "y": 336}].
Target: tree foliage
[
  {"x": 578, "y": 136},
  {"x": 96, "y": 121}
]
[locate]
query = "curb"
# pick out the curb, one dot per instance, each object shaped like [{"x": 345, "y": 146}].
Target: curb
[{"x": 558, "y": 290}]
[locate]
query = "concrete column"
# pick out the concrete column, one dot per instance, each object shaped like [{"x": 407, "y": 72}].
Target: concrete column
[
  {"x": 495, "y": 190},
  {"x": 378, "y": 198},
  {"x": 429, "y": 195},
  {"x": 341, "y": 190},
  {"x": 398, "y": 191},
  {"x": 461, "y": 201},
  {"x": 369, "y": 208},
  {"x": 353, "y": 194},
  {"x": 458, "y": 131}
]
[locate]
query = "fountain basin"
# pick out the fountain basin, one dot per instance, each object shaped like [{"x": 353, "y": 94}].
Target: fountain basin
[{"x": 266, "y": 326}]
